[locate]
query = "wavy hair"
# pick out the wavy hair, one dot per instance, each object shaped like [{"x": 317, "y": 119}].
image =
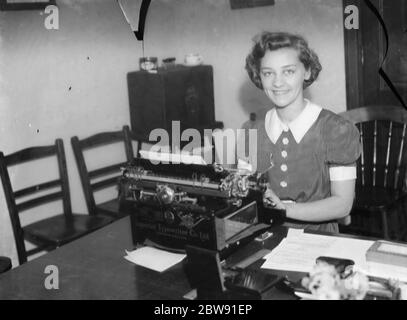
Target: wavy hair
[{"x": 270, "y": 41}]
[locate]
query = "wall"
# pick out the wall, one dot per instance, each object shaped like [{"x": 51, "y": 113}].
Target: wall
[
  {"x": 223, "y": 37},
  {"x": 61, "y": 83},
  {"x": 72, "y": 81}
]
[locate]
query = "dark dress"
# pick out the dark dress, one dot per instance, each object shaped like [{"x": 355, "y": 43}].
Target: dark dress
[{"x": 300, "y": 171}]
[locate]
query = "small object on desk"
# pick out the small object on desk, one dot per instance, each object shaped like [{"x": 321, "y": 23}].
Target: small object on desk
[
  {"x": 252, "y": 281},
  {"x": 388, "y": 252},
  {"x": 154, "y": 259},
  {"x": 326, "y": 283},
  {"x": 343, "y": 266},
  {"x": 264, "y": 236},
  {"x": 191, "y": 295},
  {"x": 251, "y": 259},
  {"x": 387, "y": 259}
]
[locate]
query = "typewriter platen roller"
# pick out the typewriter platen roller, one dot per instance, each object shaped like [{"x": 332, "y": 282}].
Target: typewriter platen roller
[{"x": 202, "y": 205}]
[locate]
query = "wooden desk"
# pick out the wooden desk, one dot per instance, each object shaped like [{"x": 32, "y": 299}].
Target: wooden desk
[{"x": 93, "y": 267}]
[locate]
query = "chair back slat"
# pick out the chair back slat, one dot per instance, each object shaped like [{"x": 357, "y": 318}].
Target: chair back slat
[
  {"x": 101, "y": 139},
  {"x": 115, "y": 168},
  {"x": 39, "y": 201},
  {"x": 362, "y": 156},
  {"x": 105, "y": 183},
  {"x": 30, "y": 154},
  {"x": 386, "y": 169},
  {"x": 37, "y": 188},
  {"x": 374, "y": 152},
  {"x": 399, "y": 157}
]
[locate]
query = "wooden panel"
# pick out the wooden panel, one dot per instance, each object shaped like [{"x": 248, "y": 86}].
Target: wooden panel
[
  {"x": 395, "y": 64},
  {"x": 365, "y": 54}
]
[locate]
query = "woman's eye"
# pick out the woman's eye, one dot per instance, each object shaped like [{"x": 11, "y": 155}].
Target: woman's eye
[
  {"x": 289, "y": 72},
  {"x": 266, "y": 73}
]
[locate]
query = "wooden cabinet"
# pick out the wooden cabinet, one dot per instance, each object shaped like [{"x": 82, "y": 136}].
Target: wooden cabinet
[{"x": 179, "y": 93}]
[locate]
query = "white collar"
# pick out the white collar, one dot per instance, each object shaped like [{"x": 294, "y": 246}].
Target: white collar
[{"x": 299, "y": 126}]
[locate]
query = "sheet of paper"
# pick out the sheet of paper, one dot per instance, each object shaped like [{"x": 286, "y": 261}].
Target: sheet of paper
[
  {"x": 298, "y": 252},
  {"x": 292, "y": 232},
  {"x": 172, "y": 157},
  {"x": 154, "y": 259}
]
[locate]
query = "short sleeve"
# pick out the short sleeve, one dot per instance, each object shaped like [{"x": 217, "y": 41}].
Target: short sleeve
[{"x": 342, "y": 140}]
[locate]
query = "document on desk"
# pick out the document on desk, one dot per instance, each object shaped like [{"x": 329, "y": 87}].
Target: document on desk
[
  {"x": 154, "y": 259},
  {"x": 299, "y": 251}
]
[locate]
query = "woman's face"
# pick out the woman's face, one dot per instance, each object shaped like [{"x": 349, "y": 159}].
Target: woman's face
[{"x": 282, "y": 75}]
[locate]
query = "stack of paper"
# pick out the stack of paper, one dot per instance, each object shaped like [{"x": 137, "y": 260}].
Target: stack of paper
[
  {"x": 155, "y": 259},
  {"x": 299, "y": 251}
]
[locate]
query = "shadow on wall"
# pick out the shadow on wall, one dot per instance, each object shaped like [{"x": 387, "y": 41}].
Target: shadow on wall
[{"x": 252, "y": 99}]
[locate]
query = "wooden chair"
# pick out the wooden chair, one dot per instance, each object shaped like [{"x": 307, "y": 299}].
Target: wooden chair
[
  {"x": 131, "y": 136},
  {"x": 106, "y": 176},
  {"x": 5, "y": 264},
  {"x": 51, "y": 232},
  {"x": 379, "y": 208}
]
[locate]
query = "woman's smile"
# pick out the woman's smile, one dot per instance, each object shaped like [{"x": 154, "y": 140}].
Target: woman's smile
[{"x": 280, "y": 92}]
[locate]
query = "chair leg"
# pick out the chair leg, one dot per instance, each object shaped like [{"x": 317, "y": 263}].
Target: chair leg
[{"x": 385, "y": 224}]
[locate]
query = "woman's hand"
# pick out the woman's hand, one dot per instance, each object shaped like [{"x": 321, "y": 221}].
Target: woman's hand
[{"x": 270, "y": 199}]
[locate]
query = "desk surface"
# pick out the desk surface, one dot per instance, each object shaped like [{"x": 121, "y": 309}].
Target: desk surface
[{"x": 93, "y": 267}]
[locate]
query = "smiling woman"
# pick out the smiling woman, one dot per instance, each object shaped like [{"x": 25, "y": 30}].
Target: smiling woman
[{"x": 307, "y": 153}]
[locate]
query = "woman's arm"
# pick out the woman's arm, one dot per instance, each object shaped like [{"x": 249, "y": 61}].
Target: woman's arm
[{"x": 337, "y": 206}]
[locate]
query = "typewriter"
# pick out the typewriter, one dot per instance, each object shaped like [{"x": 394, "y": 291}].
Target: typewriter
[{"x": 209, "y": 206}]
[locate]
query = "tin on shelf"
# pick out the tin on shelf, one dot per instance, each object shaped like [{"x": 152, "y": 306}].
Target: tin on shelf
[{"x": 149, "y": 64}]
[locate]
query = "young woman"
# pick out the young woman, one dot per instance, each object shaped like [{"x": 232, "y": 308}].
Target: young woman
[{"x": 308, "y": 153}]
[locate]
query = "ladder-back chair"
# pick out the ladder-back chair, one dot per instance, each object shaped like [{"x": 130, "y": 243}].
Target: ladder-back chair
[
  {"x": 94, "y": 180},
  {"x": 54, "y": 231},
  {"x": 379, "y": 208}
]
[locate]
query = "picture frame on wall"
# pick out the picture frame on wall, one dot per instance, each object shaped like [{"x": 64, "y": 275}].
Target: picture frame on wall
[
  {"x": 12, "y": 5},
  {"x": 243, "y": 4}
]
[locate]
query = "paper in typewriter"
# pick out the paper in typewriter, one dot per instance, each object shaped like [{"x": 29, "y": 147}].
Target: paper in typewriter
[
  {"x": 172, "y": 157},
  {"x": 299, "y": 251}
]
